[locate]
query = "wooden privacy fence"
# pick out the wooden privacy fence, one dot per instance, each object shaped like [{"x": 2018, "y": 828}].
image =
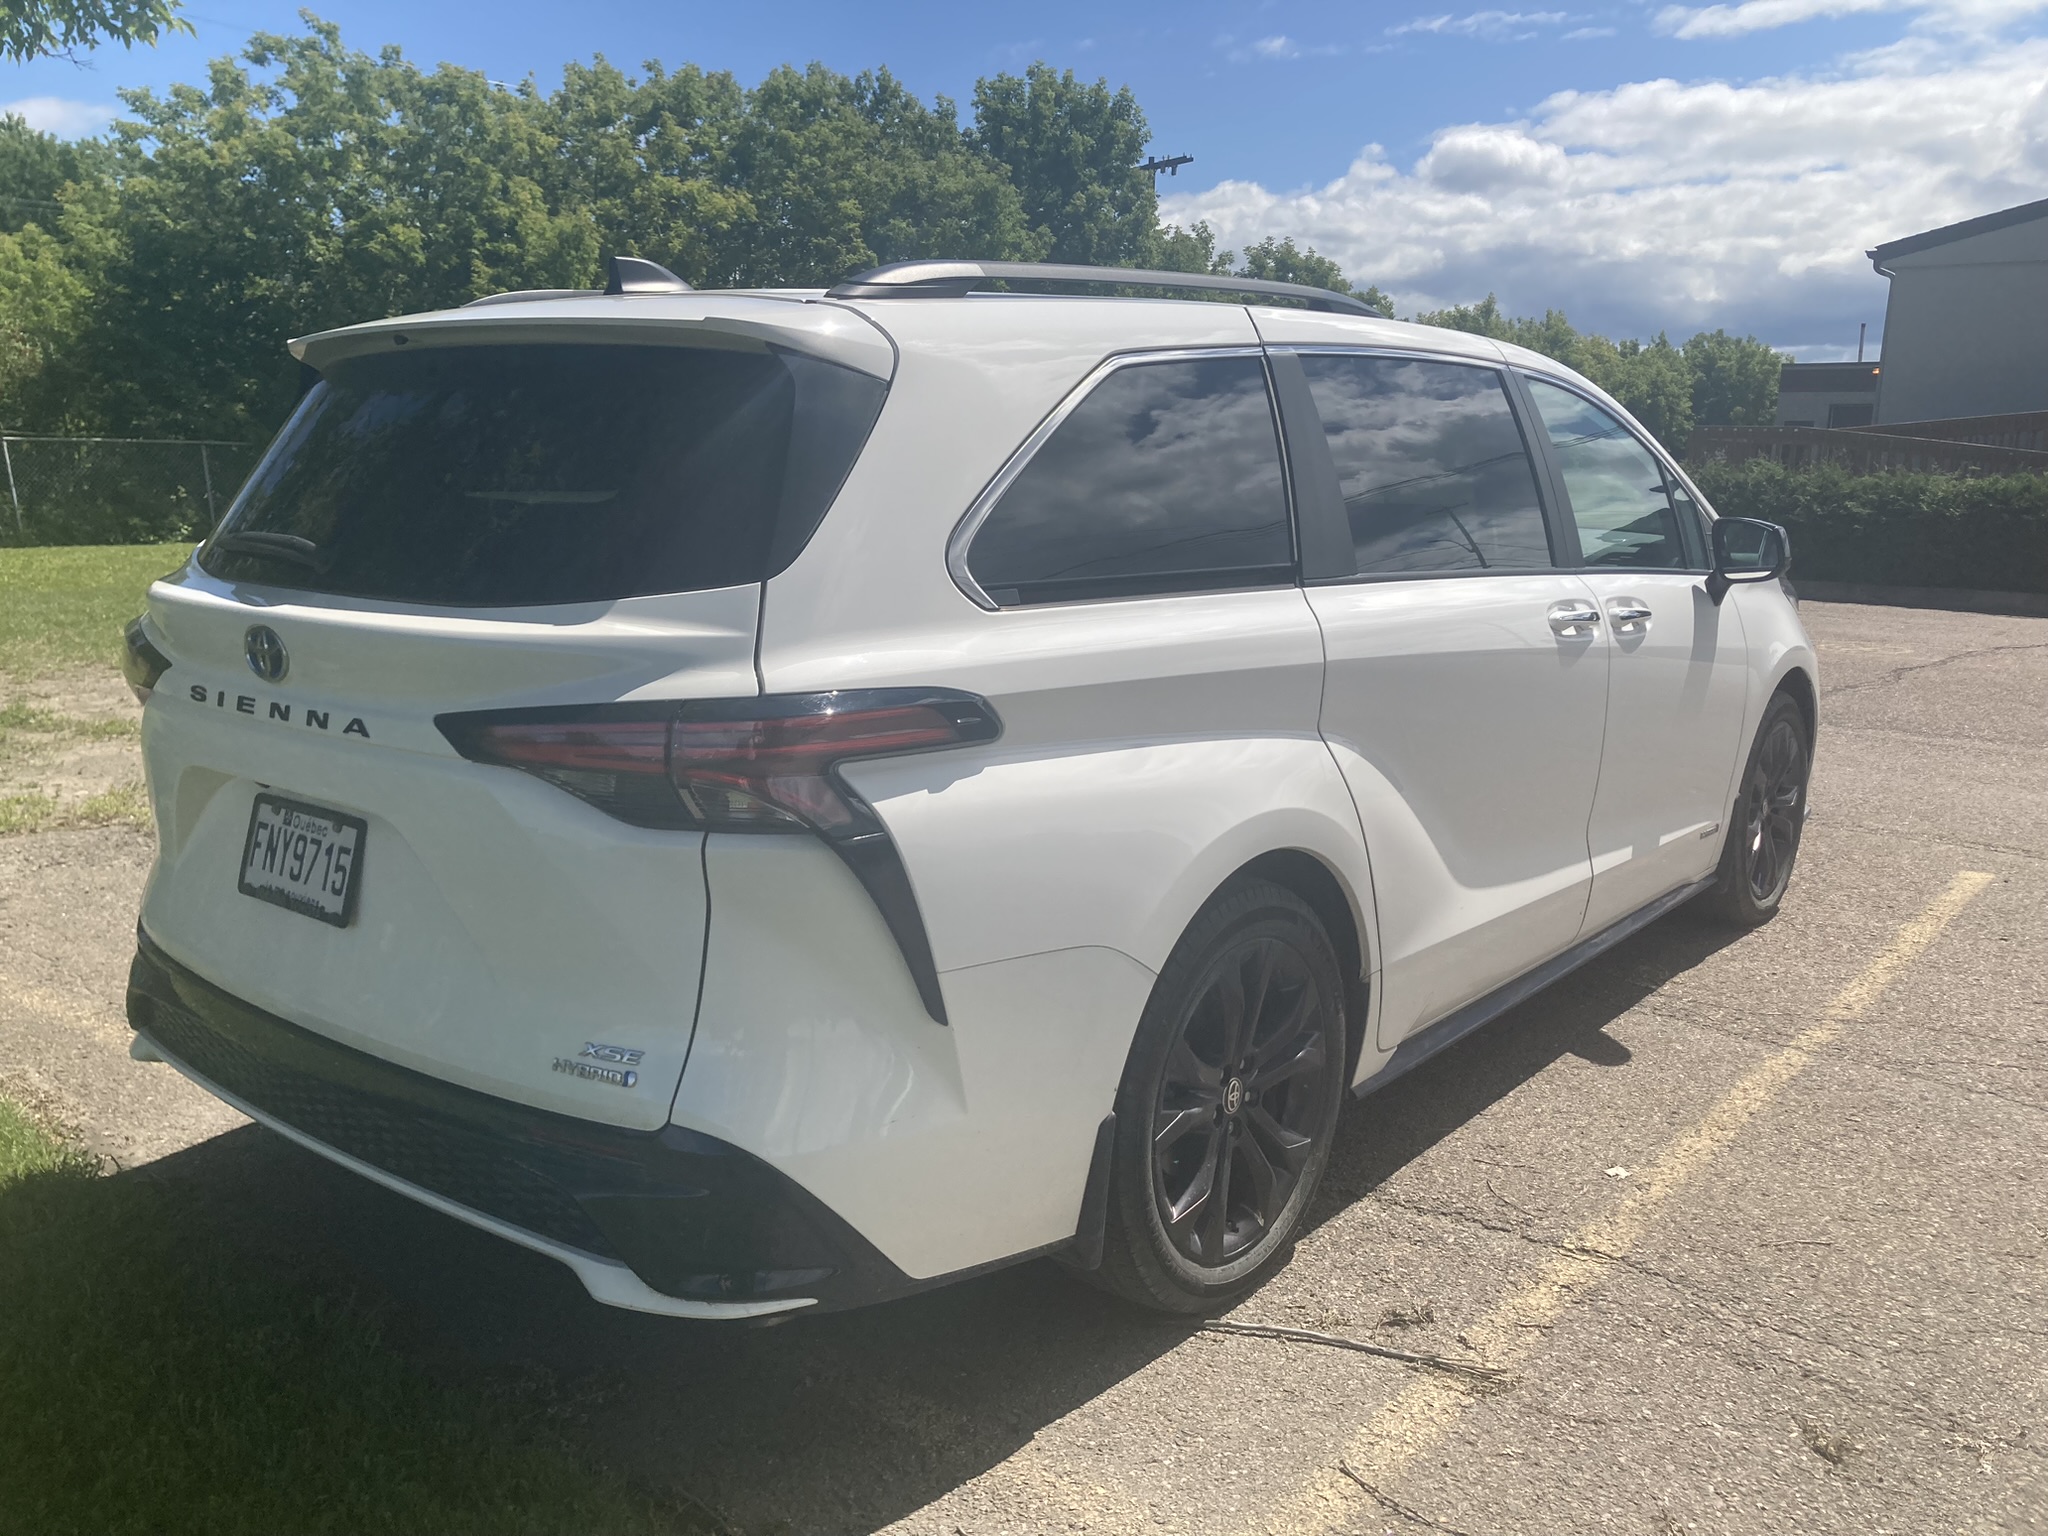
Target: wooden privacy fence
[
  {"x": 2023, "y": 429},
  {"x": 1859, "y": 450}
]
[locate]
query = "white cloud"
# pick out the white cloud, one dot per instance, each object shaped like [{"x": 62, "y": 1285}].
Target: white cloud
[
  {"x": 1693, "y": 22},
  {"x": 1489, "y": 26},
  {"x": 1578, "y": 34},
  {"x": 1975, "y": 17},
  {"x": 62, "y": 116},
  {"x": 1277, "y": 48},
  {"x": 1667, "y": 205}
]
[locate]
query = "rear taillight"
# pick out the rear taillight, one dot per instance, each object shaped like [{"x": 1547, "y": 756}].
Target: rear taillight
[
  {"x": 141, "y": 662},
  {"x": 765, "y": 764},
  {"x": 724, "y": 764}
]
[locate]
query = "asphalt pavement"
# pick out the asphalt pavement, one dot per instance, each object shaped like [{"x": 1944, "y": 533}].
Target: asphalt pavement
[{"x": 1752, "y": 1230}]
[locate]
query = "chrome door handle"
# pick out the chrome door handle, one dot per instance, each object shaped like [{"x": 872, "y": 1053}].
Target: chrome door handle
[
  {"x": 1574, "y": 619},
  {"x": 1630, "y": 615}
]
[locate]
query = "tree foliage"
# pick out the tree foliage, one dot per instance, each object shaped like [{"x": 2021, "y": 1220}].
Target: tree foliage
[
  {"x": 149, "y": 280},
  {"x": 1712, "y": 380},
  {"x": 35, "y": 29}
]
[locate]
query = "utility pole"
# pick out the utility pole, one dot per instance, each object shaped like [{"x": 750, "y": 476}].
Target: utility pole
[
  {"x": 1171, "y": 165},
  {"x": 1861, "y": 327}
]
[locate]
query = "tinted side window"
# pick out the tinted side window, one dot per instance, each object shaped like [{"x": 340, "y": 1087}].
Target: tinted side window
[
  {"x": 1619, "y": 497},
  {"x": 1166, "y": 478},
  {"x": 1432, "y": 466},
  {"x": 1692, "y": 522}
]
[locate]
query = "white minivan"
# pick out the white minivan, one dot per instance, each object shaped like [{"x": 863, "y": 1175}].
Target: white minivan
[{"x": 780, "y": 799}]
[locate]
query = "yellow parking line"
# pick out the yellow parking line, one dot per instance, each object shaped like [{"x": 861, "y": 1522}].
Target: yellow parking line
[{"x": 1417, "y": 1420}]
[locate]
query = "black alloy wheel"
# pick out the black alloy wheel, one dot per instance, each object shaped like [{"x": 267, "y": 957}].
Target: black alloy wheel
[
  {"x": 1770, "y": 815},
  {"x": 1773, "y": 801},
  {"x": 1237, "y": 1110},
  {"x": 1229, "y": 1104}
]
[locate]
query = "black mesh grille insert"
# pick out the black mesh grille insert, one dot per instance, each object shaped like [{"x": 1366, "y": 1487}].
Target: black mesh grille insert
[{"x": 482, "y": 1172}]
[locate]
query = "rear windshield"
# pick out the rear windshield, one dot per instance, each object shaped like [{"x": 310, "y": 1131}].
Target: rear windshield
[{"x": 503, "y": 476}]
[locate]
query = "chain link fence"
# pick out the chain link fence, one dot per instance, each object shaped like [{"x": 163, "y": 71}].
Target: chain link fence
[{"x": 116, "y": 490}]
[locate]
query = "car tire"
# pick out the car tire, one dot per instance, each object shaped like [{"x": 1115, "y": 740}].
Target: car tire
[
  {"x": 1235, "y": 1077},
  {"x": 1769, "y": 816}
]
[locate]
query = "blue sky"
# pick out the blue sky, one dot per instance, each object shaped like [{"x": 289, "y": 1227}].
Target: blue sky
[{"x": 1642, "y": 166}]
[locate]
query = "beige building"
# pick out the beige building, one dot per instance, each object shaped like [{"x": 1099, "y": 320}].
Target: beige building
[{"x": 1966, "y": 326}]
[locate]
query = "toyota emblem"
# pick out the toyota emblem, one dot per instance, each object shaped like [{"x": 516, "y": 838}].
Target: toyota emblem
[{"x": 268, "y": 658}]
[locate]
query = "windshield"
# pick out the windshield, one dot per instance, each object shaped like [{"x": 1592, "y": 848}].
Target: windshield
[{"x": 501, "y": 476}]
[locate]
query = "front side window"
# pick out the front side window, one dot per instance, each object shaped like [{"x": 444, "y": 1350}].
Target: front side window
[
  {"x": 1432, "y": 467},
  {"x": 1692, "y": 522},
  {"x": 1620, "y": 499},
  {"x": 1166, "y": 478}
]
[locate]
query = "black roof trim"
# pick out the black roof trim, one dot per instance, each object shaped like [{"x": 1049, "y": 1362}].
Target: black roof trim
[
  {"x": 2005, "y": 218},
  {"x": 528, "y": 295},
  {"x": 957, "y": 279}
]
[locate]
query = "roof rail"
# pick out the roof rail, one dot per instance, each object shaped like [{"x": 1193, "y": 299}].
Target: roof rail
[{"x": 956, "y": 279}]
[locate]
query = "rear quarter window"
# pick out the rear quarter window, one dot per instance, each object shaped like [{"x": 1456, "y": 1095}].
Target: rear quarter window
[
  {"x": 505, "y": 476},
  {"x": 1165, "y": 478}
]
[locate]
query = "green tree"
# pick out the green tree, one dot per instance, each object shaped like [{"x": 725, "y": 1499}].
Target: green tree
[
  {"x": 333, "y": 188},
  {"x": 1735, "y": 380},
  {"x": 1187, "y": 250},
  {"x": 1072, "y": 151},
  {"x": 41, "y": 304},
  {"x": 34, "y": 170},
  {"x": 1713, "y": 378},
  {"x": 651, "y": 161},
  {"x": 843, "y": 174},
  {"x": 35, "y": 29},
  {"x": 1651, "y": 380},
  {"x": 1482, "y": 319}
]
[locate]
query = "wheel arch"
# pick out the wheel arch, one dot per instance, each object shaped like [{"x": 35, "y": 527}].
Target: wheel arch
[
  {"x": 1343, "y": 917},
  {"x": 1799, "y": 685}
]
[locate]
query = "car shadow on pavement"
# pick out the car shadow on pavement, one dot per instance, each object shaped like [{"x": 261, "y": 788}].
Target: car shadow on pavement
[
  {"x": 1400, "y": 1123},
  {"x": 839, "y": 1423}
]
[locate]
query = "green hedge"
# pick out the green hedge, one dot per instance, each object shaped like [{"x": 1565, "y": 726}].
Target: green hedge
[{"x": 1988, "y": 533}]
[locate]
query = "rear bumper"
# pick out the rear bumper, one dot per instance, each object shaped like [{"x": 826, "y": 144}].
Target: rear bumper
[{"x": 665, "y": 1221}]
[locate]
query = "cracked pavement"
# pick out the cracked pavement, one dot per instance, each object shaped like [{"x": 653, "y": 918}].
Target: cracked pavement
[{"x": 1837, "y": 1324}]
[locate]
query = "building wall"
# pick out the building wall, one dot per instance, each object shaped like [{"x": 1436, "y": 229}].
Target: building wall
[
  {"x": 1809, "y": 408},
  {"x": 1827, "y": 394},
  {"x": 1966, "y": 328}
]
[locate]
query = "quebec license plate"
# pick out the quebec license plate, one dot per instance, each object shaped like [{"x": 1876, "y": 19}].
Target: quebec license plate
[{"x": 304, "y": 858}]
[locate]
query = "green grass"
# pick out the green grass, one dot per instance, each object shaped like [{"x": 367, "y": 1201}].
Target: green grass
[
  {"x": 150, "y": 1382},
  {"x": 23, "y": 716},
  {"x": 64, "y": 607},
  {"x": 27, "y": 813}
]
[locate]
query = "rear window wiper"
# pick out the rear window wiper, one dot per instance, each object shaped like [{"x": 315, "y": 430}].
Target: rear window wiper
[{"x": 288, "y": 547}]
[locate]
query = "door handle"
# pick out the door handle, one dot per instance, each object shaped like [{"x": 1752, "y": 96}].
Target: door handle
[
  {"x": 1630, "y": 614},
  {"x": 1574, "y": 619}
]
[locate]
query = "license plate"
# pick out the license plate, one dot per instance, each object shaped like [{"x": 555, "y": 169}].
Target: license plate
[{"x": 304, "y": 858}]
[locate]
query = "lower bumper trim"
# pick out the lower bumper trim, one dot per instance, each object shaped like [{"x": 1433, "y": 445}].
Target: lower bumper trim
[
  {"x": 607, "y": 1280},
  {"x": 668, "y": 1221}
]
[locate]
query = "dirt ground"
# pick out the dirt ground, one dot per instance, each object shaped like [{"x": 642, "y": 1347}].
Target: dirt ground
[
  {"x": 1755, "y": 1228},
  {"x": 68, "y": 754}
]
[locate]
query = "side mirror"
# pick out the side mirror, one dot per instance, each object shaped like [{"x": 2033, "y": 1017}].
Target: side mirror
[{"x": 1746, "y": 549}]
